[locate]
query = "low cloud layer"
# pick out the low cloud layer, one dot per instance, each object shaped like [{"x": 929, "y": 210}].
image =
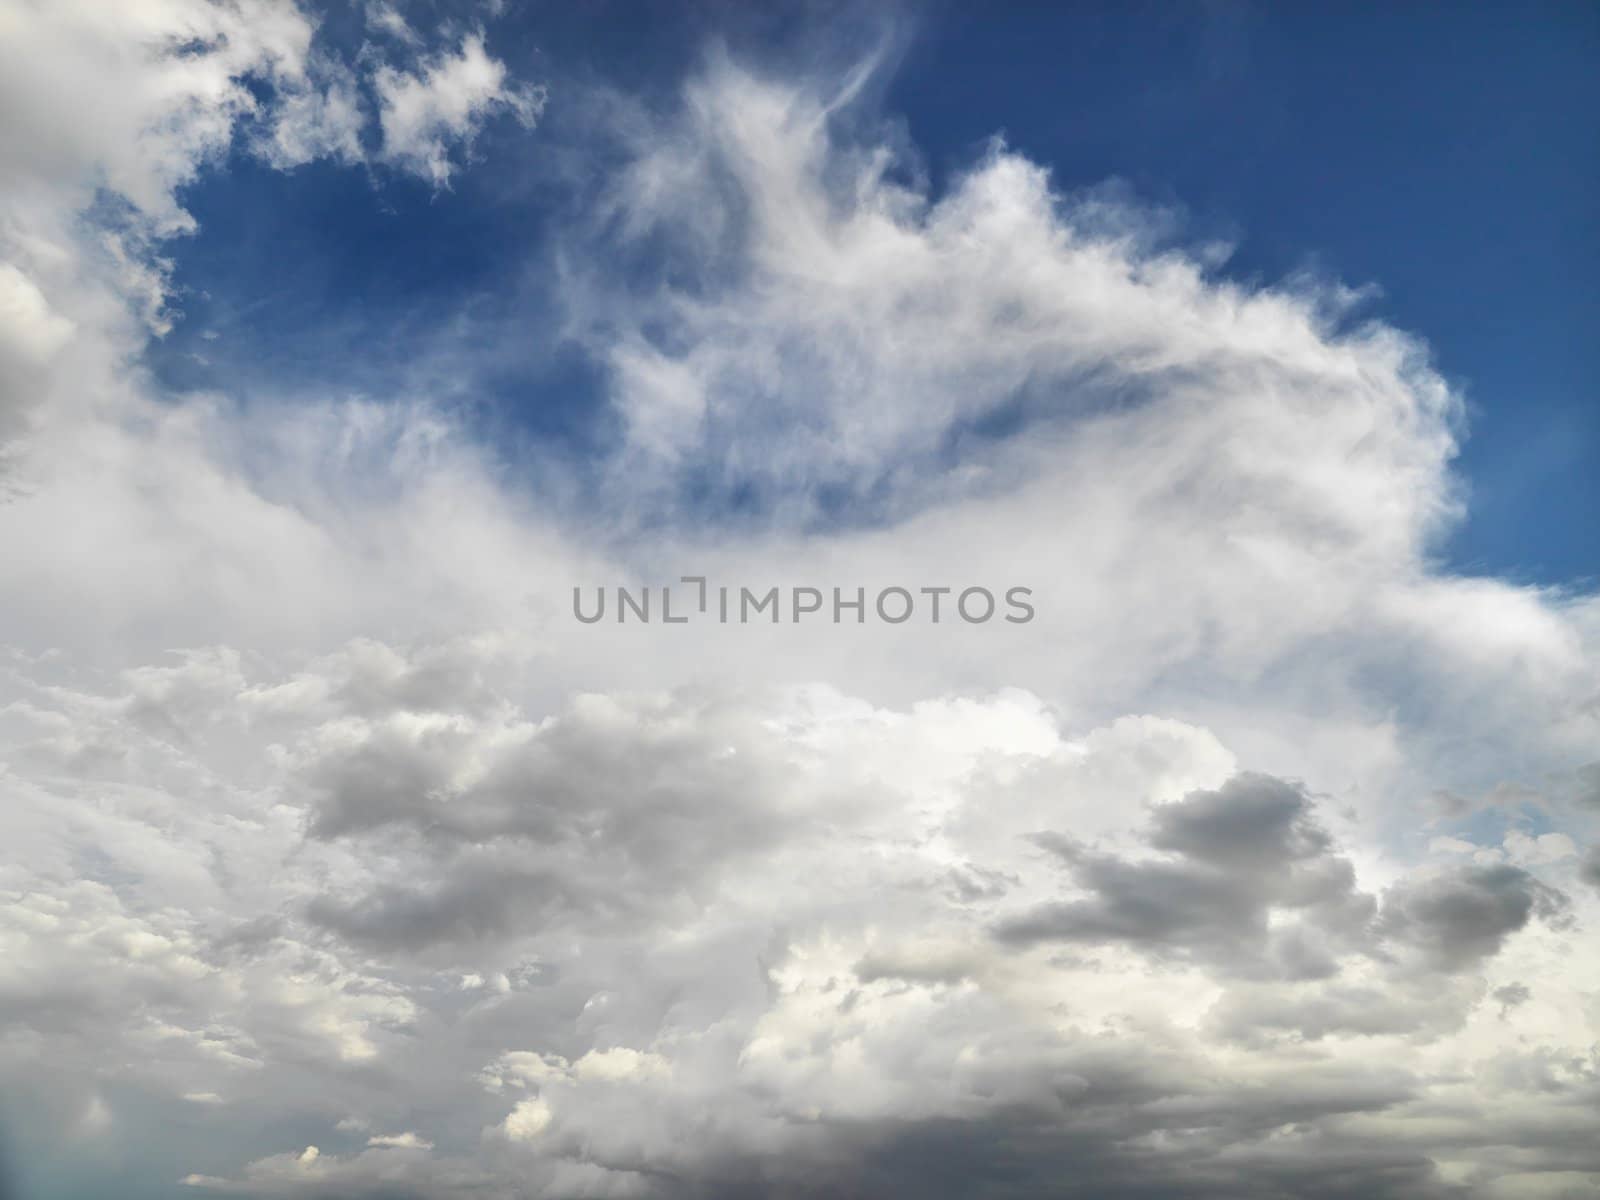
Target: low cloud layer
[{"x": 792, "y": 943}]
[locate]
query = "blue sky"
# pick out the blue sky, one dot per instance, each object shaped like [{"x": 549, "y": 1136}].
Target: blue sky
[{"x": 1449, "y": 164}]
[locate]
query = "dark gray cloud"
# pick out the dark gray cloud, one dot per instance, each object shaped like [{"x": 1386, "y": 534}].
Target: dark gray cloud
[
  {"x": 472, "y": 902},
  {"x": 1245, "y": 884},
  {"x": 633, "y": 776},
  {"x": 1261, "y": 1014},
  {"x": 1589, "y": 868},
  {"x": 1020, "y": 1157},
  {"x": 1456, "y": 919},
  {"x": 1232, "y": 858},
  {"x": 1509, "y": 996},
  {"x": 1250, "y": 884},
  {"x": 610, "y": 810}
]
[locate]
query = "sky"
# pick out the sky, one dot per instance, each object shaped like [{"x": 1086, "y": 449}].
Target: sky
[{"x": 1118, "y": 708}]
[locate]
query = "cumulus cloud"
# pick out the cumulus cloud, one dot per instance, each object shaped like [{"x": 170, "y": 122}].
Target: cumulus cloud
[
  {"x": 1238, "y": 858},
  {"x": 33, "y": 334},
  {"x": 1462, "y": 917},
  {"x": 323, "y": 119},
  {"x": 120, "y": 108},
  {"x": 393, "y": 881},
  {"x": 826, "y": 969},
  {"x": 444, "y": 103}
]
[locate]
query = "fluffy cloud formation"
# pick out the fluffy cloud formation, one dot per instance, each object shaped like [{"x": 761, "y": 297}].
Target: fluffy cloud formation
[
  {"x": 394, "y": 880},
  {"x": 116, "y": 108},
  {"x": 425, "y": 114},
  {"x": 652, "y": 905}
]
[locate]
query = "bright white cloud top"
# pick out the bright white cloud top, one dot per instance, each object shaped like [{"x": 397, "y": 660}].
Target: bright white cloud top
[{"x": 341, "y": 861}]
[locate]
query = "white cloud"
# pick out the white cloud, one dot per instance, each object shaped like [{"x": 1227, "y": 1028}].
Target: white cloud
[
  {"x": 323, "y": 120},
  {"x": 444, "y": 103},
  {"x": 399, "y": 1141},
  {"x": 31, "y": 335},
  {"x": 133, "y": 97},
  {"x": 120, "y": 106},
  {"x": 386, "y": 18},
  {"x": 1526, "y": 850},
  {"x": 527, "y": 1120}
]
